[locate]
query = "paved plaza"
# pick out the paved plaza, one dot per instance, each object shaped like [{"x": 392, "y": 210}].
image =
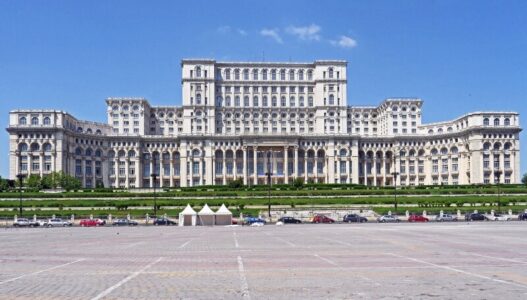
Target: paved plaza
[{"x": 341, "y": 261}]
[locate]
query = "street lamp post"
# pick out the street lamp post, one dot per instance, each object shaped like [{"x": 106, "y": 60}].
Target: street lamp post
[
  {"x": 497, "y": 175},
  {"x": 268, "y": 174},
  {"x": 20, "y": 183},
  {"x": 395, "y": 190}
]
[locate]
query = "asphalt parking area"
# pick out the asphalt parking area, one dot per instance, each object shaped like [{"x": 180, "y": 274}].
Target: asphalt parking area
[{"x": 484, "y": 260}]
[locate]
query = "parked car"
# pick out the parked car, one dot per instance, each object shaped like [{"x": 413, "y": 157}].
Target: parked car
[
  {"x": 475, "y": 217},
  {"x": 446, "y": 218},
  {"x": 354, "y": 218},
  {"x": 252, "y": 220},
  {"x": 57, "y": 222},
  {"x": 322, "y": 219},
  {"x": 388, "y": 219},
  {"x": 522, "y": 216},
  {"x": 21, "y": 222},
  {"x": 163, "y": 221},
  {"x": 88, "y": 223},
  {"x": 417, "y": 218},
  {"x": 498, "y": 217},
  {"x": 289, "y": 220},
  {"x": 124, "y": 222}
]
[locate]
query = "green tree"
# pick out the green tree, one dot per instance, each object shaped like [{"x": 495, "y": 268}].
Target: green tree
[
  {"x": 298, "y": 182},
  {"x": 524, "y": 179},
  {"x": 47, "y": 181},
  {"x": 236, "y": 184},
  {"x": 3, "y": 184},
  {"x": 34, "y": 182}
]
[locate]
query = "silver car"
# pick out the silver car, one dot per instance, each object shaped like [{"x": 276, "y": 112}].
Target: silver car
[
  {"x": 21, "y": 222},
  {"x": 57, "y": 222},
  {"x": 446, "y": 218},
  {"x": 388, "y": 219}
]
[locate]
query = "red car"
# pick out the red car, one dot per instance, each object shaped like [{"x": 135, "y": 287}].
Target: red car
[
  {"x": 91, "y": 222},
  {"x": 322, "y": 219},
  {"x": 417, "y": 218}
]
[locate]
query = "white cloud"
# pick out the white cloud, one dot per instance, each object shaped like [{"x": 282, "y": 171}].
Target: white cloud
[
  {"x": 272, "y": 33},
  {"x": 228, "y": 29},
  {"x": 344, "y": 42},
  {"x": 310, "y": 32}
]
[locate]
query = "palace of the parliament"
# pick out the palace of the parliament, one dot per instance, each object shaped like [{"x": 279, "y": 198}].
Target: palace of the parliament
[{"x": 242, "y": 120}]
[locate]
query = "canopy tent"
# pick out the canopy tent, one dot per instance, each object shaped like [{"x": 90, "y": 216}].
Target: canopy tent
[
  {"x": 223, "y": 216},
  {"x": 187, "y": 217},
  {"x": 206, "y": 216}
]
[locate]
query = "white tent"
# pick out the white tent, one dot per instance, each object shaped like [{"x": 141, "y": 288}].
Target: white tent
[
  {"x": 223, "y": 216},
  {"x": 187, "y": 217},
  {"x": 206, "y": 216}
]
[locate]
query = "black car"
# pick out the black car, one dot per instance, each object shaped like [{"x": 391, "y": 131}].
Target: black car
[
  {"x": 124, "y": 222},
  {"x": 354, "y": 218},
  {"x": 475, "y": 217},
  {"x": 163, "y": 221},
  {"x": 522, "y": 216},
  {"x": 289, "y": 220}
]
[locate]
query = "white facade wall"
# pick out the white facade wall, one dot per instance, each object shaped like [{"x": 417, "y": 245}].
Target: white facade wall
[{"x": 239, "y": 121}]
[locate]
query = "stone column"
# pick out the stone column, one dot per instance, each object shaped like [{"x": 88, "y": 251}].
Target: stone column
[
  {"x": 255, "y": 165},
  {"x": 286, "y": 166},
  {"x": 305, "y": 166},
  {"x": 126, "y": 173},
  {"x": 295, "y": 166},
  {"x": 224, "y": 170},
  {"x": 315, "y": 167},
  {"x": 151, "y": 170},
  {"x": 191, "y": 171},
  {"x": 374, "y": 169},
  {"x": 245, "y": 179},
  {"x": 183, "y": 168},
  {"x": 171, "y": 168},
  {"x": 41, "y": 161}
]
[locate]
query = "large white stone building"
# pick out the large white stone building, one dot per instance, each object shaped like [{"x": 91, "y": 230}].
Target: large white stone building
[{"x": 244, "y": 119}]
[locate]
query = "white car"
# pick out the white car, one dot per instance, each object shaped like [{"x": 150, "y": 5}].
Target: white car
[
  {"x": 498, "y": 217},
  {"x": 388, "y": 218},
  {"x": 57, "y": 222}
]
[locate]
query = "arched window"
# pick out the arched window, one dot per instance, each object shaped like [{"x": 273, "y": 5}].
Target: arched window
[
  {"x": 35, "y": 147},
  {"x": 310, "y": 101},
  {"x": 228, "y": 101},
  {"x": 88, "y": 152},
  {"x": 486, "y": 146},
  {"x": 444, "y": 151},
  {"x": 282, "y": 101},
  {"x": 507, "y": 122},
  {"x": 195, "y": 153},
  {"x": 131, "y": 153},
  {"x": 246, "y": 101},
  {"x": 264, "y": 74},
  {"x": 301, "y": 75},
  {"x": 343, "y": 152},
  {"x": 330, "y": 72},
  {"x": 236, "y": 74},
  {"x": 125, "y": 108},
  {"x": 430, "y": 131},
  {"x": 47, "y": 147},
  {"x": 218, "y": 101},
  {"x": 98, "y": 153},
  {"x": 496, "y": 122},
  {"x": 246, "y": 74},
  {"x": 331, "y": 99},
  {"x": 47, "y": 121},
  {"x": 198, "y": 71},
  {"x": 291, "y": 74},
  {"x": 121, "y": 153},
  {"x": 454, "y": 150},
  {"x": 237, "y": 101},
  {"x": 78, "y": 151},
  {"x": 255, "y": 74},
  {"x": 301, "y": 101},
  {"x": 274, "y": 101},
  {"x": 98, "y": 131},
  {"x": 486, "y": 122},
  {"x": 292, "y": 101},
  {"x": 255, "y": 101},
  {"x": 273, "y": 74},
  {"x": 34, "y": 121},
  {"x": 22, "y": 121},
  {"x": 22, "y": 147},
  {"x": 434, "y": 151},
  {"x": 310, "y": 75},
  {"x": 265, "y": 103},
  {"x": 228, "y": 74},
  {"x": 282, "y": 74},
  {"x": 198, "y": 99}
]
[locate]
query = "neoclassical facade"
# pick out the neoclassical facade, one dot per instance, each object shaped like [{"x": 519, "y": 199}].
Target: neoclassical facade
[{"x": 247, "y": 119}]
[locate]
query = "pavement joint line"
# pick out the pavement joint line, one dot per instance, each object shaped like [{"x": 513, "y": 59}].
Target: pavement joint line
[
  {"x": 41, "y": 271},
  {"x": 235, "y": 240},
  {"x": 459, "y": 270},
  {"x": 329, "y": 261},
  {"x": 184, "y": 244},
  {"x": 133, "y": 244},
  {"x": 497, "y": 258},
  {"x": 243, "y": 279},
  {"x": 280, "y": 239},
  {"x": 125, "y": 280}
]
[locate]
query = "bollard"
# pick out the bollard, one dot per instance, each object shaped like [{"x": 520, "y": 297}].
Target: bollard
[
  {"x": 510, "y": 212},
  {"x": 492, "y": 212},
  {"x": 441, "y": 213},
  {"x": 53, "y": 216},
  {"x": 72, "y": 218},
  {"x": 407, "y": 214},
  {"x": 128, "y": 216},
  {"x": 15, "y": 218},
  {"x": 34, "y": 218},
  {"x": 147, "y": 218},
  {"x": 91, "y": 216},
  {"x": 459, "y": 214},
  {"x": 109, "y": 218},
  {"x": 389, "y": 213},
  {"x": 424, "y": 213}
]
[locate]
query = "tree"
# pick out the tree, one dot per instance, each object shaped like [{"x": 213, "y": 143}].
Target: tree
[
  {"x": 236, "y": 184},
  {"x": 298, "y": 182},
  {"x": 34, "y": 182},
  {"x": 4, "y": 185},
  {"x": 47, "y": 181},
  {"x": 524, "y": 179}
]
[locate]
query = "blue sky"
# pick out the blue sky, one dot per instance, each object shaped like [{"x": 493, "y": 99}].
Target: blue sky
[{"x": 458, "y": 56}]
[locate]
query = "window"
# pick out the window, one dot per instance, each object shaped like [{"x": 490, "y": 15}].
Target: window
[
  {"x": 486, "y": 122},
  {"x": 292, "y": 102},
  {"x": 237, "y": 101},
  {"x": 198, "y": 99},
  {"x": 331, "y": 99},
  {"x": 455, "y": 164},
  {"x": 228, "y": 74},
  {"x": 246, "y": 101},
  {"x": 507, "y": 122},
  {"x": 291, "y": 75},
  {"x": 274, "y": 102},
  {"x": 486, "y": 161},
  {"x": 496, "y": 161},
  {"x": 255, "y": 74},
  {"x": 282, "y": 74},
  {"x": 282, "y": 101},
  {"x": 245, "y": 74},
  {"x": 496, "y": 122},
  {"x": 264, "y": 74},
  {"x": 236, "y": 74},
  {"x": 34, "y": 121},
  {"x": 47, "y": 121},
  {"x": 198, "y": 72},
  {"x": 301, "y": 75},
  {"x": 330, "y": 72},
  {"x": 310, "y": 101},
  {"x": 264, "y": 101},
  {"x": 273, "y": 74},
  {"x": 22, "y": 121},
  {"x": 255, "y": 101},
  {"x": 435, "y": 167},
  {"x": 310, "y": 75}
]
